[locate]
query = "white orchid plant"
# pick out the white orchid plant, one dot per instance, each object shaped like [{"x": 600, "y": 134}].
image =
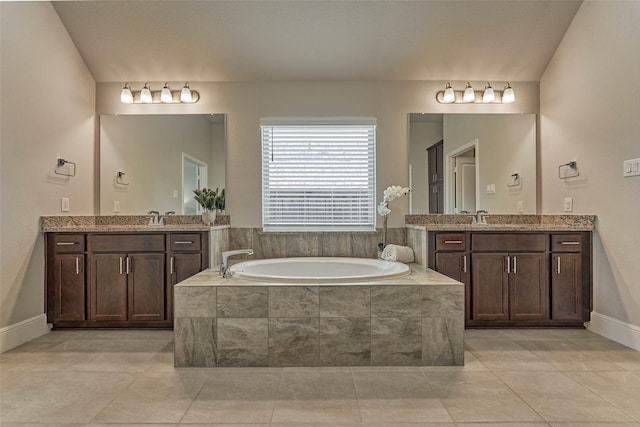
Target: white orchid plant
[{"x": 390, "y": 194}]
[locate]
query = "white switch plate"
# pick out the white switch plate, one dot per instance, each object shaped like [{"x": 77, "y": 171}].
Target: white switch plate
[
  {"x": 519, "y": 206},
  {"x": 491, "y": 188},
  {"x": 631, "y": 167},
  {"x": 568, "y": 204},
  {"x": 116, "y": 206},
  {"x": 175, "y": 194},
  {"x": 64, "y": 204}
]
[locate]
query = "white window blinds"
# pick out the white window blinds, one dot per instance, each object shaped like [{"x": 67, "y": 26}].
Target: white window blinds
[{"x": 318, "y": 177}]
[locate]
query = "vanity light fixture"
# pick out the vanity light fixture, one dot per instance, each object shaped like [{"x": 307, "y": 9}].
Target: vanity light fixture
[
  {"x": 126, "y": 97},
  {"x": 488, "y": 95},
  {"x": 145, "y": 94},
  {"x": 163, "y": 96},
  {"x": 470, "y": 96},
  {"x": 508, "y": 96},
  {"x": 449, "y": 95}
]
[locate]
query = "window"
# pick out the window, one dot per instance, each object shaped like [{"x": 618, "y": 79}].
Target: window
[{"x": 318, "y": 177}]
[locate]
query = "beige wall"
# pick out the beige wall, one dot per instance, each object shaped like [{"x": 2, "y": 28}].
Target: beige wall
[
  {"x": 48, "y": 104},
  {"x": 590, "y": 100},
  {"x": 506, "y": 145},
  {"x": 246, "y": 103}
]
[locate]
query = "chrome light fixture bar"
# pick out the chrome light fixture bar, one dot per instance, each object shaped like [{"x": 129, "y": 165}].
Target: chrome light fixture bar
[
  {"x": 470, "y": 96},
  {"x": 163, "y": 96}
]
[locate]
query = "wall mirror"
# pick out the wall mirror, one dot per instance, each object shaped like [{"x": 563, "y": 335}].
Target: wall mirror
[
  {"x": 153, "y": 162},
  {"x": 487, "y": 161}
]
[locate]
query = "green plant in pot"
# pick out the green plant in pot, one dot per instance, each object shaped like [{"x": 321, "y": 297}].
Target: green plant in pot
[{"x": 209, "y": 200}]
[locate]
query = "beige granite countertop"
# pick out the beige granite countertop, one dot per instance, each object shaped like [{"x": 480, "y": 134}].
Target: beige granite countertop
[
  {"x": 503, "y": 222},
  {"x": 126, "y": 223}
]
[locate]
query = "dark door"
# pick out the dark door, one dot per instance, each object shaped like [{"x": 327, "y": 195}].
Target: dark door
[
  {"x": 146, "y": 287},
  {"x": 490, "y": 286},
  {"x": 108, "y": 287},
  {"x": 69, "y": 287},
  {"x": 566, "y": 286},
  {"x": 456, "y": 266},
  {"x": 528, "y": 287}
]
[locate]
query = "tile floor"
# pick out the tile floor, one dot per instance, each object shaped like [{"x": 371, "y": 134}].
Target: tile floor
[{"x": 512, "y": 378}]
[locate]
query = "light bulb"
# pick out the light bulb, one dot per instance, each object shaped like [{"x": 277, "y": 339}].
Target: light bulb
[
  {"x": 488, "y": 96},
  {"x": 126, "y": 97},
  {"x": 449, "y": 95},
  {"x": 185, "y": 94},
  {"x": 469, "y": 94},
  {"x": 165, "y": 95},
  {"x": 508, "y": 96},
  {"x": 145, "y": 95}
]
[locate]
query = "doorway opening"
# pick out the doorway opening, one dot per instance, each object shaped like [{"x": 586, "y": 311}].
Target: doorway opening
[
  {"x": 462, "y": 185},
  {"x": 194, "y": 175}
]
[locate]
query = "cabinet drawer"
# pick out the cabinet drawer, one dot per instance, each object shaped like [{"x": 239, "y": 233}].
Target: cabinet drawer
[
  {"x": 185, "y": 242},
  {"x": 450, "y": 241},
  {"x": 508, "y": 242},
  {"x": 566, "y": 243},
  {"x": 64, "y": 243},
  {"x": 127, "y": 242}
]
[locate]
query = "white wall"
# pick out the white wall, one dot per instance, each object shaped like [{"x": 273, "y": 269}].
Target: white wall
[
  {"x": 589, "y": 102},
  {"x": 246, "y": 103},
  {"x": 506, "y": 145},
  {"x": 422, "y": 136},
  {"x": 149, "y": 150},
  {"x": 47, "y": 109}
]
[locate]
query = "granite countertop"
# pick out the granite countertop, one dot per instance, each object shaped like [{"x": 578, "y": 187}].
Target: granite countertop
[
  {"x": 127, "y": 223},
  {"x": 503, "y": 222}
]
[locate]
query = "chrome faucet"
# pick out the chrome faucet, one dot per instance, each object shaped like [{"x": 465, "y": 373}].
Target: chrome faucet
[
  {"x": 224, "y": 268},
  {"x": 154, "y": 218},
  {"x": 480, "y": 217}
]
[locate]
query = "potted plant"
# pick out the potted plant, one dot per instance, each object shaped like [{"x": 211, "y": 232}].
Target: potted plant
[
  {"x": 208, "y": 199},
  {"x": 390, "y": 194}
]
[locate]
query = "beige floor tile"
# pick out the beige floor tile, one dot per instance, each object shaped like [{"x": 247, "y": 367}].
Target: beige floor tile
[
  {"x": 410, "y": 425},
  {"x": 132, "y": 425},
  {"x": 471, "y": 363},
  {"x": 621, "y": 355},
  {"x": 576, "y": 334},
  {"x": 322, "y": 396},
  {"x": 556, "y": 397},
  {"x": 479, "y": 397},
  {"x": 235, "y": 397},
  {"x": 506, "y": 355},
  {"x": 397, "y": 397},
  {"x": 25, "y": 353},
  {"x": 154, "y": 397},
  {"x": 595, "y": 424},
  {"x": 541, "y": 424},
  {"x": 2, "y": 424},
  {"x": 531, "y": 334},
  {"x": 485, "y": 334},
  {"x": 128, "y": 334},
  {"x": 58, "y": 397},
  {"x": 622, "y": 389},
  {"x": 566, "y": 356},
  {"x": 60, "y": 335}
]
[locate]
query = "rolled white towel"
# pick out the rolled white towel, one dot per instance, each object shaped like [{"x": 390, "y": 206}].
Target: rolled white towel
[{"x": 397, "y": 253}]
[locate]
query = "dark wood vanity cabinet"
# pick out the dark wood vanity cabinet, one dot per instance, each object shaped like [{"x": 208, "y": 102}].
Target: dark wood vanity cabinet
[
  {"x": 119, "y": 279},
  {"x": 519, "y": 278},
  {"x": 436, "y": 177}
]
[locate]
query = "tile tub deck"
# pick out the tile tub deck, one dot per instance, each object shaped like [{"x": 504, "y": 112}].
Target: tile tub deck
[{"x": 417, "y": 320}]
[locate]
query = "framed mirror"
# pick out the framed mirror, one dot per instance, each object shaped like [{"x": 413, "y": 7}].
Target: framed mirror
[
  {"x": 153, "y": 162},
  {"x": 486, "y": 161}
]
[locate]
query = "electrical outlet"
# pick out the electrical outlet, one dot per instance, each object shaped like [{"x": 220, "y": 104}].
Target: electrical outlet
[
  {"x": 519, "y": 207},
  {"x": 568, "y": 204},
  {"x": 64, "y": 204},
  {"x": 631, "y": 168},
  {"x": 175, "y": 194},
  {"x": 491, "y": 188},
  {"x": 116, "y": 206}
]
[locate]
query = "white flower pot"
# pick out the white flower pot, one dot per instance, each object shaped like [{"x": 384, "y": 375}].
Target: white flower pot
[{"x": 209, "y": 218}]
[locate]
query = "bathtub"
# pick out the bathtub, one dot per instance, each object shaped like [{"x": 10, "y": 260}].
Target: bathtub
[{"x": 318, "y": 270}]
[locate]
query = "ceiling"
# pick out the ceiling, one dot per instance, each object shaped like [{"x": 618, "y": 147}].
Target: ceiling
[{"x": 299, "y": 40}]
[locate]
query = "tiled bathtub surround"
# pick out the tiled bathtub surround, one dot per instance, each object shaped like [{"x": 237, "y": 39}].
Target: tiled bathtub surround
[
  {"x": 411, "y": 321},
  {"x": 281, "y": 245}
]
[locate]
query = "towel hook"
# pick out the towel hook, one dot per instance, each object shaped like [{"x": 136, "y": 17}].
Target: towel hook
[
  {"x": 120, "y": 178},
  {"x": 516, "y": 180},
  {"x": 61, "y": 162},
  {"x": 573, "y": 165}
]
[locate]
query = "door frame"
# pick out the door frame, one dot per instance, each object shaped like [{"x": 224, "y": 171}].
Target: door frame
[
  {"x": 204, "y": 174},
  {"x": 450, "y": 184}
]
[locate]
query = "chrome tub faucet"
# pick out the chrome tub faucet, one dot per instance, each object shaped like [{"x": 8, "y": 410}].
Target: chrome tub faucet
[{"x": 224, "y": 268}]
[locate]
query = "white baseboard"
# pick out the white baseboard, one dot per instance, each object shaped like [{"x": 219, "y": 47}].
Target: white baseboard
[
  {"x": 616, "y": 330},
  {"x": 19, "y": 333}
]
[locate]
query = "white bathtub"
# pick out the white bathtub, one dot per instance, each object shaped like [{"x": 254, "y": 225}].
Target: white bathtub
[{"x": 318, "y": 270}]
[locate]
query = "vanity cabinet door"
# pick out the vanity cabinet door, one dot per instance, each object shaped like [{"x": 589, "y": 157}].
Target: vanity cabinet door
[
  {"x": 528, "y": 287},
  {"x": 456, "y": 265},
  {"x": 108, "y": 287},
  {"x": 145, "y": 284},
  {"x": 566, "y": 286},
  {"x": 490, "y": 293},
  {"x": 69, "y": 287}
]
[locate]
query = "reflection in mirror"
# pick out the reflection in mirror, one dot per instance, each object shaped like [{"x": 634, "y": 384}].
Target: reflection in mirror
[
  {"x": 476, "y": 166},
  {"x": 153, "y": 162}
]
